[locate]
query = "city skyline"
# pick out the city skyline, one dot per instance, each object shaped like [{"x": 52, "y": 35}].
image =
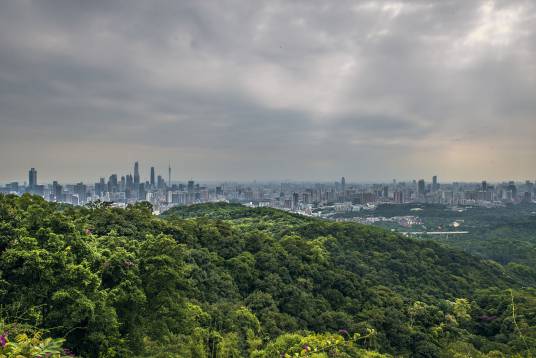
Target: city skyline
[
  {"x": 138, "y": 178},
  {"x": 305, "y": 198},
  {"x": 275, "y": 90},
  {"x": 147, "y": 172}
]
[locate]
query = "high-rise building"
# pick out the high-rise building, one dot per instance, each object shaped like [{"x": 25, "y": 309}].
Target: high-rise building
[
  {"x": 484, "y": 185},
  {"x": 141, "y": 192},
  {"x": 112, "y": 183},
  {"x": 123, "y": 183},
  {"x": 32, "y": 178},
  {"x": 513, "y": 189},
  {"x": 421, "y": 187},
  {"x": 343, "y": 184},
  {"x": 190, "y": 186},
  {"x": 529, "y": 186},
  {"x": 57, "y": 191},
  {"x": 295, "y": 201},
  {"x": 169, "y": 174},
  {"x": 81, "y": 191},
  {"x": 136, "y": 175},
  {"x": 152, "y": 178},
  {"x": 435, "y": 187},
  {"x": 100, "y": 187},
  {"x": 13, "y": 187},
  {"x": 129, "y": 182}
]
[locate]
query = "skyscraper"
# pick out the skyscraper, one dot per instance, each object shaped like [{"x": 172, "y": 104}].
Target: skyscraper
[
  {"x": 434, "y": 183},
  {"x": 129, "y": 182},
  {"x": 32, "y": 178},
  {"x": 343, "y": 184},
  {"x": 169, "y": 175},
  {"x": 152, "y": 178},
  {"x": 57, "y": 191},
  {"x": 295, "y": 201},
  {"x": 141, "y": 192},
  {"x": 80, "y": 190},
  {"x": 100, "y": 187},
  {"x": 136, "y": 174},
  {"x": 421, "y": 188},
  {"x": 160, "y": 182},
  {"x": 112, "y": 183},
  {"x": 190, "y": 186},
  {"x": 512, "y": 188}
]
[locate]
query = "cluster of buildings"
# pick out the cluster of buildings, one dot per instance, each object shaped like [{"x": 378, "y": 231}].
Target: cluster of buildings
[
  {"x": 404, "y": 221},
  {"x": 303, "y": 197},
  {"x": 480, "y": 194}
]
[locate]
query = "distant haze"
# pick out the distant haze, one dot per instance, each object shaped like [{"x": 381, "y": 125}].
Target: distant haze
[{"x": 304, "y": 90}]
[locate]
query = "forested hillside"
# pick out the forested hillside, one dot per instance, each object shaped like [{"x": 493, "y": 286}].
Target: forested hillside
[
  {"x": 504, "y": 234},
  {"x": 222, "y": 280}
]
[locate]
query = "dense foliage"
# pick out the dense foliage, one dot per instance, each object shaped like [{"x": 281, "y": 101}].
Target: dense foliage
[
  {"x": 221, "y": 280},
  {"x": 24, "y": 341},
  {"x": 504, "y": 234}
]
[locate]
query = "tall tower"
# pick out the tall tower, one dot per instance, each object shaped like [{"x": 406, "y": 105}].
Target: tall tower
[
  {"x": 343, "y": 184},
  {"x": 169, "y": 175},
  {"x": 152, "y": 177},
  {"x": 136, "y": 174},
  {"x": 32, "y": 178},
  {"x": 434, "y": 183}
]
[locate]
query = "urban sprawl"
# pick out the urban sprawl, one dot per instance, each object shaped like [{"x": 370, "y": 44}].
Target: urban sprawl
[{"x": 301, "y": 197}]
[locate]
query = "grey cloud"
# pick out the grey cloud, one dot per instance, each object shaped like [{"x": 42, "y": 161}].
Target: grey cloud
[{"x": 273, "y": 89}]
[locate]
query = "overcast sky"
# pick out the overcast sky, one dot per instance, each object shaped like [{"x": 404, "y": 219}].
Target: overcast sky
[{"x": 301, "y": 90}]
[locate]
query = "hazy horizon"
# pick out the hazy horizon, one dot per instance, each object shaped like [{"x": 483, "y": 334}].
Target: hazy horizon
[
  {"x": 238, "y": 91},
  {"x": 183, "y": 178}
]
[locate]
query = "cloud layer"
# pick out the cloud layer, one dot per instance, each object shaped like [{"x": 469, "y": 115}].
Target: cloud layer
[{"x": 307, "y": 90}]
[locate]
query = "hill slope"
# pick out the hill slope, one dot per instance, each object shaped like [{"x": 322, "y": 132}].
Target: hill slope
[{"x": 229, "y": 281}]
